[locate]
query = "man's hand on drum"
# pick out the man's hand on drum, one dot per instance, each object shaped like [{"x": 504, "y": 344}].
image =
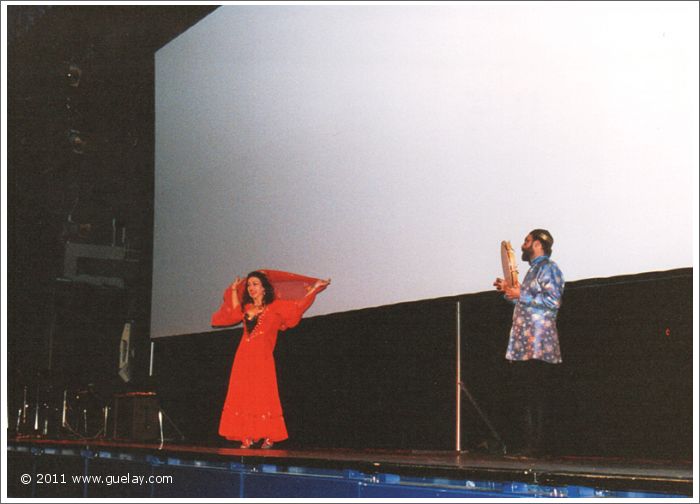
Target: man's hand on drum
[{"x": 510, "y": 291}]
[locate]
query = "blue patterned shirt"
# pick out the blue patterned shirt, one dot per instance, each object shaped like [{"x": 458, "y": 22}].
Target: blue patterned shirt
[{"x": 534, "y": 331}]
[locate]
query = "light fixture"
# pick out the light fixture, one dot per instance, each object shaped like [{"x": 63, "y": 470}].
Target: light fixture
[
  {"x": 73, "y": 74},
  {"x": 76, "y": 141}
]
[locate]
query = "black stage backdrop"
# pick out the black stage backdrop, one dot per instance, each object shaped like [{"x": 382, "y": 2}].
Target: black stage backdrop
[{"x": 385, "y": 377}]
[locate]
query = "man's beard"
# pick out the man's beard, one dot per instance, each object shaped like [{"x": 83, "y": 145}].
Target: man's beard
[{"x": 526, "y": 255}]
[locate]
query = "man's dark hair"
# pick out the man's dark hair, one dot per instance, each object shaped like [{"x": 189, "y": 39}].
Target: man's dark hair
[{"x": 545, "y": 238}]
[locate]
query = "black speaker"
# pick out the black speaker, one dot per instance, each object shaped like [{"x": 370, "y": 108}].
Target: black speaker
[{"x": 136, "y": 416}]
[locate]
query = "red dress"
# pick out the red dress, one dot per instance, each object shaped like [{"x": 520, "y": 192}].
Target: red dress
[{"x": 252, "y": 408}]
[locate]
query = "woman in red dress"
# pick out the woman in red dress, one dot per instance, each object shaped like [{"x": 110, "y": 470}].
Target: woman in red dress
[{"x": 252, "y": 410}]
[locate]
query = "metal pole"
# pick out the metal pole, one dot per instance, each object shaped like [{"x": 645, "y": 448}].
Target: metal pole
[
  {"x": 458, "y": 382},
  {"x": 150, "y": 365}
]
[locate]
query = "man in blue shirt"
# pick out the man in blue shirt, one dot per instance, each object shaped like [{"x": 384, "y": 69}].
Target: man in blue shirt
[{"x": 534, "y": 342}]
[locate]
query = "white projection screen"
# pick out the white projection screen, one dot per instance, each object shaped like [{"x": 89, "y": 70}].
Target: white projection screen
[{"x": 392, "y": 147}]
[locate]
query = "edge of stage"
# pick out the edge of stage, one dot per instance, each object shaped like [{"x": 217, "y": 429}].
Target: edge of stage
[{"x": 350, "y": 473}]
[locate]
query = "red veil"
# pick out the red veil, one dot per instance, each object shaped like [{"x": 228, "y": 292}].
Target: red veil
[{"x": 288, "y": 286}]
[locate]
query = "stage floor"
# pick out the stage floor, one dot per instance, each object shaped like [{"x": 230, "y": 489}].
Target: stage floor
[{"x": 605, "y": 474}]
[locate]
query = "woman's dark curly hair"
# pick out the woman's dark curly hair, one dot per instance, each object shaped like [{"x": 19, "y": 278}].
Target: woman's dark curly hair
[{"x": 269, "y": 295}]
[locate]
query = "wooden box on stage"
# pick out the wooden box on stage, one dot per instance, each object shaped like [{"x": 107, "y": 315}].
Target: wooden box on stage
[{"x": 136, "y": 416}]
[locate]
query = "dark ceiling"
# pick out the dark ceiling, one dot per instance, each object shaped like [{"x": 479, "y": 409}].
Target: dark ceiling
[{"x": 80, "y": 142}]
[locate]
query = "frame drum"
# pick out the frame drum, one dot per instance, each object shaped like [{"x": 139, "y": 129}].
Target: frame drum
[{"x": 510, "y": 266}]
